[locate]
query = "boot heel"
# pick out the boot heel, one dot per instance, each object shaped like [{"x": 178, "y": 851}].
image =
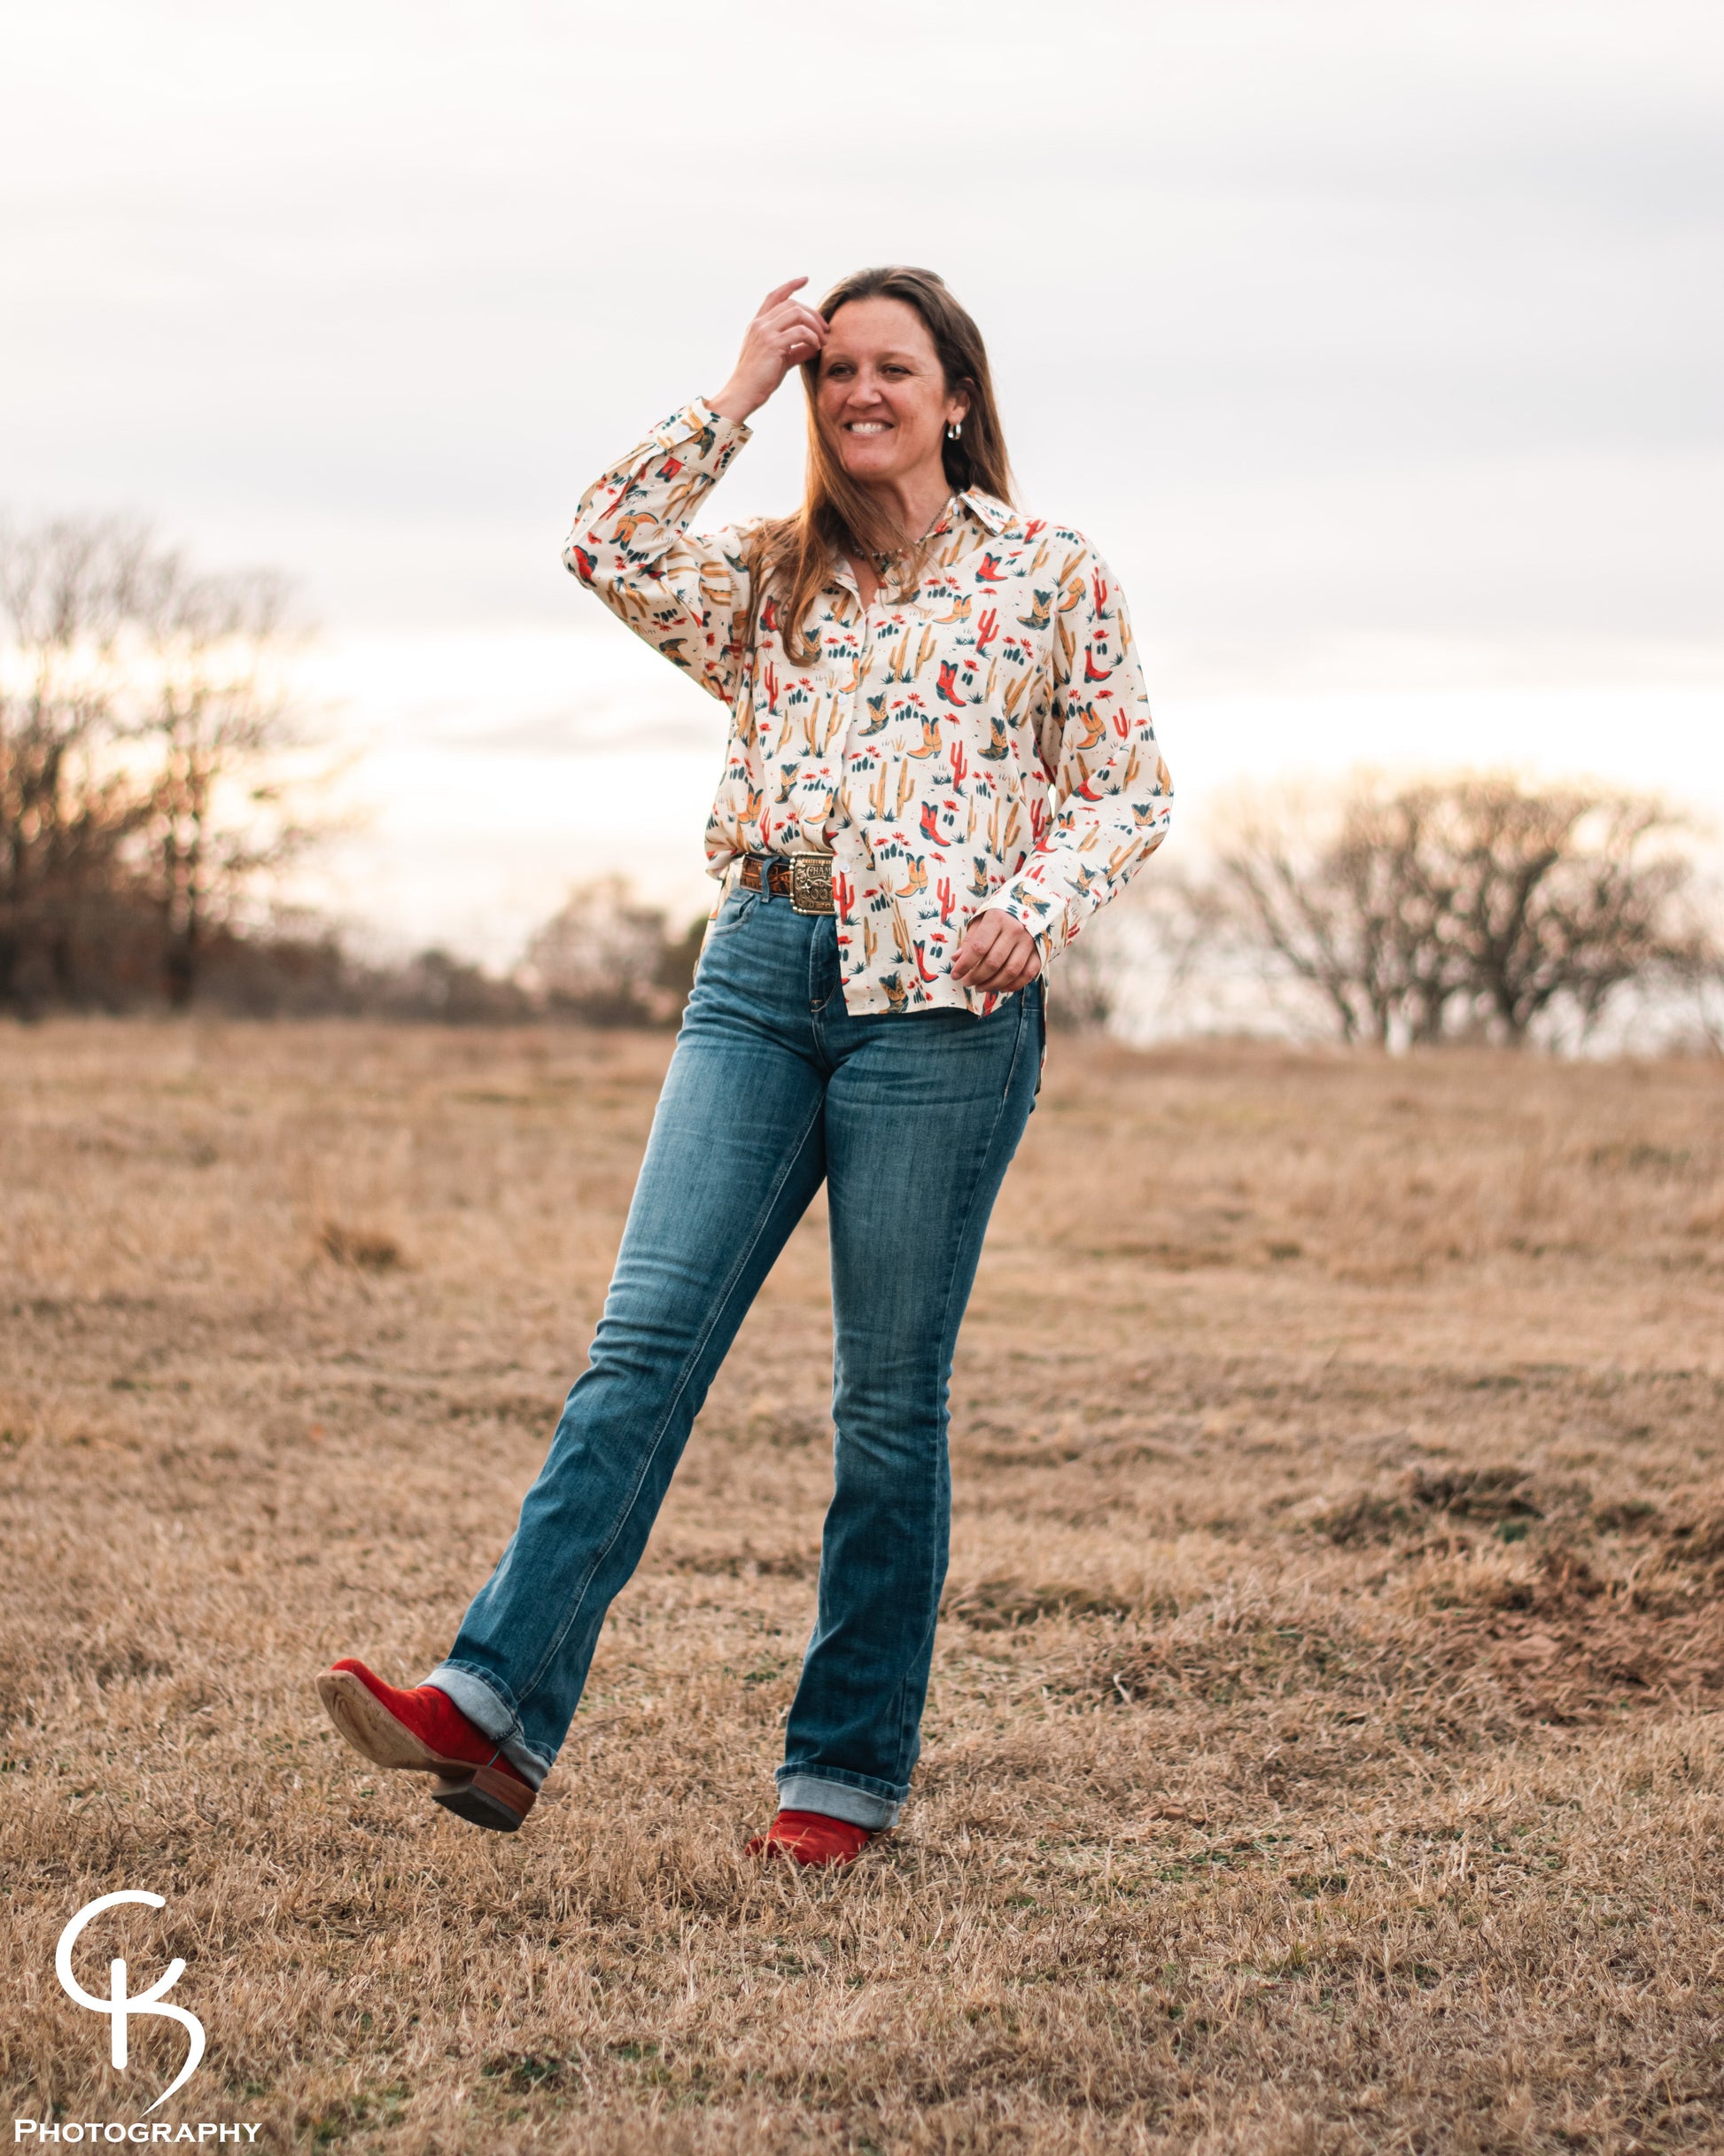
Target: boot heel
[{"x": 487, "y": 1797}]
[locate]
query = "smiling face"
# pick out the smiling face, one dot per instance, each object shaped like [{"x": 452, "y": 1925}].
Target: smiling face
[{"x": 881, "y": 397}]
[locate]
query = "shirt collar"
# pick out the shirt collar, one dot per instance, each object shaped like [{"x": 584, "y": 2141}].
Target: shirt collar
[{"x": 994, "y": 516}]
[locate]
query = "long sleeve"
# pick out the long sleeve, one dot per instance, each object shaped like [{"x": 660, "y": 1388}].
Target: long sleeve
[
  {"x": 1110, "y": 795},
  {"x": 685, "y": 594},
  {"x": 983, "y": 744}
]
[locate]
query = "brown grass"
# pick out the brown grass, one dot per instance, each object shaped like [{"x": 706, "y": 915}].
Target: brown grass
[{"x": 1324, "y": 1751}]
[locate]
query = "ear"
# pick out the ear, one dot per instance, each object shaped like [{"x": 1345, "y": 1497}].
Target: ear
[{"x": 959, "y": 407}]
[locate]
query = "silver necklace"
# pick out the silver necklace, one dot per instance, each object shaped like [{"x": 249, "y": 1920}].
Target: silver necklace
[{"x": 884, "y": 562}]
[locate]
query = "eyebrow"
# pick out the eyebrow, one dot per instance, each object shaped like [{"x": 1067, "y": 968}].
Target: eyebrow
[{"x": 892, "y": 352}]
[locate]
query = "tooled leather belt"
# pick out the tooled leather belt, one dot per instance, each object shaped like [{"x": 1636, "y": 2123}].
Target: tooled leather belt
[{"x": 805, "y": 879}]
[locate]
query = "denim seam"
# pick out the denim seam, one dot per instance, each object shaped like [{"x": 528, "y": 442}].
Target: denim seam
[
  {"x": 948, "y": 1345},
  {"x": 690, "y": 1364},
  {"x": 817, "y": 1011},
  {"x": 1017, "y": 1051}
]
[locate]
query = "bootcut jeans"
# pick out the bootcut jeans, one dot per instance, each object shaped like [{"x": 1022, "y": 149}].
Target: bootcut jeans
[{"x": 911, "y": 1121}]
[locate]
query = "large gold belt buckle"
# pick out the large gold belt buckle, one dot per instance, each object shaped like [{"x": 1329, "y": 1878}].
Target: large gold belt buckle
[{"x": 810, "y": 883}]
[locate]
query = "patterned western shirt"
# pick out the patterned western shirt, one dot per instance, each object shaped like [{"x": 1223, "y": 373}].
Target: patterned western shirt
[{"x": 981, "y": 743}]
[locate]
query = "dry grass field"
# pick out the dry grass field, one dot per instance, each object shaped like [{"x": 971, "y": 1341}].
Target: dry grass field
[{"x": 1324, "y": 1746}]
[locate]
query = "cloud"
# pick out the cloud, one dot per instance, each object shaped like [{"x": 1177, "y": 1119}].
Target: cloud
[{"x": 1331, "y": 321}]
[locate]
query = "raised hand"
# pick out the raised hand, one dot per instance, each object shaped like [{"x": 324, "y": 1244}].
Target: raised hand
[{"x": 783, "y": 333}]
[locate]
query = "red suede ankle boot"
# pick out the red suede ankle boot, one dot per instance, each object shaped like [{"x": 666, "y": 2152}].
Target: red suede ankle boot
[
  {"x": 424, "y": 1731},
  {"x": 812, "y": 1837}
]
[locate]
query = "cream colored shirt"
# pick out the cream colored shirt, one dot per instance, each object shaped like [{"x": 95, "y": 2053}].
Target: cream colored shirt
[{"x": 982, "y": 743}]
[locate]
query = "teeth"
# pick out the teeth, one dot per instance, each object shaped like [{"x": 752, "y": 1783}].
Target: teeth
[{"x": 865, "y": 426}]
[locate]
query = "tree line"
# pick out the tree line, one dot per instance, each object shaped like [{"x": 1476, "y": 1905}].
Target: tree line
[
  {"x": 1471, "y": 907},
  {"x": 147, "y": 725},
  {"x": 1475, "y": 906},
  {"x": 146, "y": 721}
]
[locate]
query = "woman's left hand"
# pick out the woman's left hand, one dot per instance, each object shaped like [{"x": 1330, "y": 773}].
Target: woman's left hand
[{"x": 996, "y": 955}]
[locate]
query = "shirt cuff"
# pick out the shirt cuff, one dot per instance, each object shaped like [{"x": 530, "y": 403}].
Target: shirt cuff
[
  {"x": 719, "y": 438},
  {"x": 1046, "y": 915}
]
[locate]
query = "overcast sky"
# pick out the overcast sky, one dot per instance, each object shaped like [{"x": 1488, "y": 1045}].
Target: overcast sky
[{"x": 1380, "y": 346}]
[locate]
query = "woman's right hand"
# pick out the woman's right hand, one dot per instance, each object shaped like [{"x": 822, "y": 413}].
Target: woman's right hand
[{"x": 783, "y": 333}]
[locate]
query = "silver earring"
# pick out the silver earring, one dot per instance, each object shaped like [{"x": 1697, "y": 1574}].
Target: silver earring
[{"x": 954, "y": 428}]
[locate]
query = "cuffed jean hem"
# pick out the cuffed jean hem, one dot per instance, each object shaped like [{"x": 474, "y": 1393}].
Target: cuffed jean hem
[
  {"x": 836, "y": 1799},
  {"x": 486, "y": 1709}
]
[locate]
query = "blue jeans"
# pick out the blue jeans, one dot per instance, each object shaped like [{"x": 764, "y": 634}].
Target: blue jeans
[{"x": 911, "y": 1121}]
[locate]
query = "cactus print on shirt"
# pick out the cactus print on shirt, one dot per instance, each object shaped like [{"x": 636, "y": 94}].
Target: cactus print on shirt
[{"x": 982, "y": 743}]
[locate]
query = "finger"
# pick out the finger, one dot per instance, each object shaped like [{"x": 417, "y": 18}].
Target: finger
[
  {"x": 981, "y": 940},
  {"x": 984, "y": 929},
  {"x": 787, "y": 345},
  {"x": 793, "y": 315},
  {"x": 988, "y": 973},
  {"x": 781, "y": 292}
]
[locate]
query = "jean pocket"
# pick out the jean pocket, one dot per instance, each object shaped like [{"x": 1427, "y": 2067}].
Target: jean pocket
[
  {"x": 738, "y": 905},
  {"x": 1030, "y": 1038}
]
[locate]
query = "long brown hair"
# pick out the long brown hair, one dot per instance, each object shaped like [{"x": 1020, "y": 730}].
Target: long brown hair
[{"x": 791, "y": 556}]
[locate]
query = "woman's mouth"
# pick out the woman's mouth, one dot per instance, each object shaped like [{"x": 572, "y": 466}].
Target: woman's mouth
[{"x": 867, "y": 426}]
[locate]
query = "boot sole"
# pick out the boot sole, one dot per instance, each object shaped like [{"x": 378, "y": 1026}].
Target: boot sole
[
  {"x": 484, "y": 1798},
  {"x": 485, "y": 1795}
]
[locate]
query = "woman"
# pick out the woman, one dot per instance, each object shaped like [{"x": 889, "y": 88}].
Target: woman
[{"x": 940, "y": 764}]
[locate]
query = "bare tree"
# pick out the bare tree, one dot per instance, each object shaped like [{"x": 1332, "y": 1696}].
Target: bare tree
[
  {"x": 68, "y": 810},
  {"x": 609, "y": 959},
  {"x": 142, "y": 713},
  {"x": 1473, "y": 905},
  {"x": 1323, "y": 898},
  {"x": 1130, "y": 963},
  {"x": 1559, "y": 898},
  {"x": 1082, "y": 989},
  {"x": 214, "y": 719}
]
